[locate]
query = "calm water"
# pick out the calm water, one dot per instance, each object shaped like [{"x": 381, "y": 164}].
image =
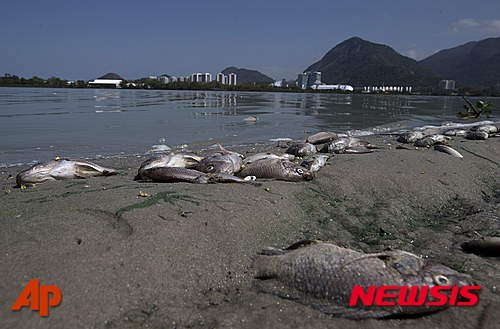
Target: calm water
[{"x": 38, "y": 124}]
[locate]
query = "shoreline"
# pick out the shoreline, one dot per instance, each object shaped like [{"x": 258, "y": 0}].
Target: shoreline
[{"x": 181, "y": 257}]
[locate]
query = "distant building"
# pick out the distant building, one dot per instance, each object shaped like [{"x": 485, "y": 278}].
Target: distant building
[
  {"x": 226, "y": 79},
  {"x": 231, "y": 79},
  {"x": 308, "y": 79},
  {"x": 222, "y": 78},
  {"x": 447, "y": 84},
  {"x": 163, "y": 78},
  {"x": 106, "y": 83},
  {"x": 333, "y": 87}
]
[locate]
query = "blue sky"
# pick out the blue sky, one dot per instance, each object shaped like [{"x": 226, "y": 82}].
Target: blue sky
[{"x": 87, "y": 39}]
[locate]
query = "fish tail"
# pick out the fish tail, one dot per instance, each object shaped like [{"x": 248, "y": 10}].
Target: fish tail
[{"x": 264, "y": 267}]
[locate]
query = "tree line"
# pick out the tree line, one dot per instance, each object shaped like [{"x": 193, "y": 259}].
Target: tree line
[{"x": 9, "y": 80}]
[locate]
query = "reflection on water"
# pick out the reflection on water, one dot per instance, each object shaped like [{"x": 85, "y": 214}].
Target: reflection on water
[{"x": 38, "y": 124}]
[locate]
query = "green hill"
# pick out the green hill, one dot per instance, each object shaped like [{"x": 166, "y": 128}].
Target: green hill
[
  {"x": 247, "y": 76},
  {"x": 475, "y": 64},
  {"x": 359, "y": 63},
  {"x": 111, "y": 76}
]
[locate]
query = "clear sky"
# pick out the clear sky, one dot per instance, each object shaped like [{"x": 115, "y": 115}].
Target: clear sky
[{"x": 86, "y": 39}]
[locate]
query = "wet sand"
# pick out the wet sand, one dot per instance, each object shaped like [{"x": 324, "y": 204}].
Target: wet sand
[{"x": 181, "y": 257}]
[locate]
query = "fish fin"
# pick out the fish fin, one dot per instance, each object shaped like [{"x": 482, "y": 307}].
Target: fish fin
[
  {"x": 302, "y": 243},
  {"x": 224, "y": 151},
  {"x": 81, "y": 169},
  {"x": 271, "y": 252},
  {"x": 380, "y": 256},
  {"x": 350, "y": 312}
]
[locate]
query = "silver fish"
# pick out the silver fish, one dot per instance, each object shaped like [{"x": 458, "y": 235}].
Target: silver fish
[
  {"x": 410, "y": 137},
  {"x": 455, "y": 132},
  {"x": 277, "y": 169},
  {"x": 343, "y": 144},
  {"x": 323, "y": 275},
  {"x": 448, "y": 149},
  {"x": 268, "y": 155},
  {"x": 224, "y": 162},
  {"x": 489, "y": 129},
  {"x": 183, "y": 160},
  {"x": 302, "y": 149},
  {"x": 65, "y": 168},
  {"x": 315, "y": 162},
  {"x": 321, "y": 137},
  {"x": 179, "y": 174},
  {"x": 430, "y": 140}
]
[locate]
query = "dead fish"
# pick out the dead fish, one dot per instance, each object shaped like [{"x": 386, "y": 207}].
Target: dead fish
[
  {"x": 355, "y": 150},
  {"x": 65, "y": 168},
  {"x": 485, "y": 246},
  {"x": 341, "y": 144},
  {"x": 489, "y": 129},
  {"x": 302, "y": 149},
  {"x": 321, "y": 137},
  {"x": 183, "y": 160},
  {"x": 224, "y": 162},
  {"x": 448, "y": 150},
  {"x": 476, "y": 135},
  {"x": 430, "y": 140},
  {"x": 223, "y": 178},
  {"x": 179, "y": 174},
  {"x": 410, "y": 137},
  {"x": 251, "y": 119},
  {"x": 277, "y": 169},
  {"x": 268, "y": 155},
  {"x": 455, "y": 132},
  {"x": 323, "y": 275},
  {"x": 315, "y": 162}
]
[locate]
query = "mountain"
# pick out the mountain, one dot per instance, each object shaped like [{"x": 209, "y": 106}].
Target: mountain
[
  {"x": 359, "y": 63},
  {"x": 475, "y": 64},
  {"x": 247, "y": 76},
  {"x": 111, "y": 76}
]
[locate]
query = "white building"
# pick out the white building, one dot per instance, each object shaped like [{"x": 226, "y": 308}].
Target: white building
[
  {"x": 106, "y": 82},
  {"x": 333, "y": 87},
  {"x": 231, "y": 79},
  {"x": 447, "y": 84}
]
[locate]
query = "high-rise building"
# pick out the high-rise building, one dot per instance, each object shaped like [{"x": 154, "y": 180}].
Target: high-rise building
[
  {"x": 231, "y": 79},
  {"x": 447, "y": 84},
  {"x": 206, "y": 77},
  {"x": 222, "y": 78},
  {"x": 308, "y": 79}
]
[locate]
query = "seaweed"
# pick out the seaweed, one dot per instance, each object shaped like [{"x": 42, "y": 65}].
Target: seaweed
[{"x": 168, "y": 196}]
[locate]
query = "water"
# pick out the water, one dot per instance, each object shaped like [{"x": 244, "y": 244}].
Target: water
[{"x": 38, "y": 124}]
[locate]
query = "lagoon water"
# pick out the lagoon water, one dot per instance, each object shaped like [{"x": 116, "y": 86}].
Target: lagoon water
[{"x": 38, "y": 124}]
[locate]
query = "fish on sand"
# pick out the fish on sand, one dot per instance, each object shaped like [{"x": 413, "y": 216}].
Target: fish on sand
[
  {"x": 277, "y": 169},
  {"x": 322, "y": 275},
  {"x": 224, "y": 162},
  {"x": 178, "y": 174},
  {"x": 66, "y": 168}
]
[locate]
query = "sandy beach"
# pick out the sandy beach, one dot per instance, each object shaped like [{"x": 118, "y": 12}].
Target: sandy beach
[{"x": 180, "y": 258}]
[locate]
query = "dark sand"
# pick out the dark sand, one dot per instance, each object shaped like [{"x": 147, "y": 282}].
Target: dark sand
[{"x": 183, "y": 260}]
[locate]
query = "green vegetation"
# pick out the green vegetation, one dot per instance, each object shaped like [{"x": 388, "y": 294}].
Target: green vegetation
[
  {"x": 14, "y": 81},
  {"x": 168, "y": 196},
  {"x": 475, "y": 111}
]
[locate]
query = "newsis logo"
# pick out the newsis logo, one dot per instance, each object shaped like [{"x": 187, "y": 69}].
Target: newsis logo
[
  {"x": 38, "y": 297},
  {"x": 414, "y": 295}
]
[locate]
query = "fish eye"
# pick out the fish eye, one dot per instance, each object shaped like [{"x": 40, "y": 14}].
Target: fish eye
[
  {"x": 300, "y": 171},
  {"x": 210, "y": 167},
  {"x": 441, "y": 280}
]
